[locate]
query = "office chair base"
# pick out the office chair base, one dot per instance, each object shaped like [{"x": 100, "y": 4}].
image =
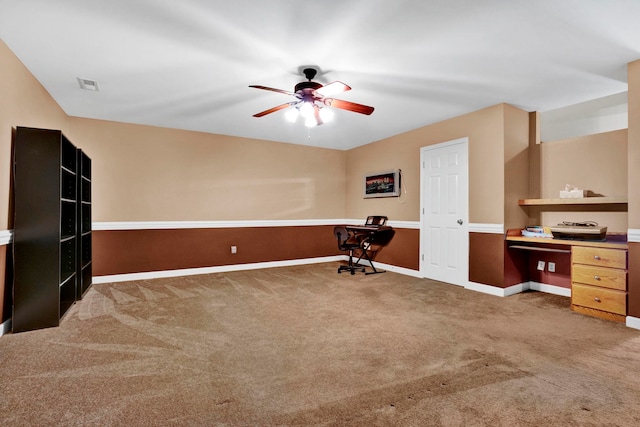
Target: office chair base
[{"x": 350, "y": 268}]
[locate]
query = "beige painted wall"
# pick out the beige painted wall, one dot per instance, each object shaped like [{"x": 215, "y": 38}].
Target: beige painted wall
[
  {"x": 595, "y": 162},
  {"x": 484, "y": 129},
  {"x": 633, "y": 160},
  {"x": 23, "y": 102},
  {"x": 144, "y": 173},
  {"x": 516, "y": 165}
]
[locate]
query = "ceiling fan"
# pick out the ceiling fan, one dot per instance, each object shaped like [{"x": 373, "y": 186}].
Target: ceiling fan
[{"x": 312, "y": 97}]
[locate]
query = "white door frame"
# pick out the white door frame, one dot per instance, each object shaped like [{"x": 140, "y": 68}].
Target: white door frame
[{"x": 423, "y": 225}]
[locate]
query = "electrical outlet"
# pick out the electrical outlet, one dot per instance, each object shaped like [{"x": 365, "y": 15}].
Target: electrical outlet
[
  {"x": 234, "y": 249},
  {"x": 541, "y": 265},
  {"x": 551, "y": 267}
]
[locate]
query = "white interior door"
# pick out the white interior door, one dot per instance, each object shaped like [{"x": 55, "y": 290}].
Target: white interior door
[{"x": 444, "y": 204}]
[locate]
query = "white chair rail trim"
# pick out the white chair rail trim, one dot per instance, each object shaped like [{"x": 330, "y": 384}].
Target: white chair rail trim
[
  {"x": 633, "y": 235},
  {"x": 486, "y": 228},
  {"x": 166, "y": 225},
  {"x": 6, "y": 237}
]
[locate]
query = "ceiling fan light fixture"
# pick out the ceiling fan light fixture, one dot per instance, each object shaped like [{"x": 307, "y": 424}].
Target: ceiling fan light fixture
[
  {"x": 326, "y": 115},
  {"x": 310, "y": 122},
  {"x": 307, "y": 110},
  {"x": 292, "y": 114}
]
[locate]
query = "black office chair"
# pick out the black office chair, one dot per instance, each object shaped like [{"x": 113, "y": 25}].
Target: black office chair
[
  {"x": 372, "y": 245},
  {"x": 347, "y": 243}
]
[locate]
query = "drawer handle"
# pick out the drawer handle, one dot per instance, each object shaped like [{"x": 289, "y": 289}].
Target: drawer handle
[
  {"x": 596, "y": 299},
  {"x": 596, "y": 277},
  {"x": 597, "y": 257}
]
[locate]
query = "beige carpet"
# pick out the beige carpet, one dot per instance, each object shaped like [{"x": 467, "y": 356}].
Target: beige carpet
[{"x": 305, "y": 346}]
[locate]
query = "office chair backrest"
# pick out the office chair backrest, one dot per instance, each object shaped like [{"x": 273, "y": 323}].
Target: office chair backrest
[
  {"x": 342, "y": 235},
  {"x": 376, "y": 220}
]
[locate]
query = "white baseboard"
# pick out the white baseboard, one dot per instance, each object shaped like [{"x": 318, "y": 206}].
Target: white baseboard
[
  {"x": 492, "y": 290},
  {"x": 5, "y": 327},
  {"x": 208, "y": 270},
  {"x": 550, "y": 289},
  {"x": 239, "y": 267},
  {"x": 633, "y": 322},
  {"x": 516, "y": 289},
  {"x": 399, "y": 270}
]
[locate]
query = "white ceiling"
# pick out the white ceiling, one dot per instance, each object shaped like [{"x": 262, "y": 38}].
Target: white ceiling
[{"x": 187, "y": 64}]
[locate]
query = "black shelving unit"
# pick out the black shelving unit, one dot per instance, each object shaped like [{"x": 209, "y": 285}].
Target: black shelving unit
[
  {"x": 48, "y": 218},
  {"x": 84, "y": 267}
]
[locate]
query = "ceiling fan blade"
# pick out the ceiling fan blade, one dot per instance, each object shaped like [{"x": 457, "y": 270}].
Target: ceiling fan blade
[
  {"x": 286, "y": 92},
  {"x": 333, "y": 88},
  {"x": 350, "y": 106},
  {"x": 274, "y": 109}
]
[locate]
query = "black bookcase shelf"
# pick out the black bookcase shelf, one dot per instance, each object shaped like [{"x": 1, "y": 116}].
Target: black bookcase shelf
[
  {"x": 83, "y": 266},
  {"x": 52, "y": 227}
]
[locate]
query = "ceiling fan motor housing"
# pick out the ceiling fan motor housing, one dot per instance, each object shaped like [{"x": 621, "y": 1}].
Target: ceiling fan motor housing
[{"x": 309, "y": 86}]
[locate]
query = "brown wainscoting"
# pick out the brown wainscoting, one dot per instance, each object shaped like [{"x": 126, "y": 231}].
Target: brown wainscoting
[
  {"x": 403, "y": 250},
  {"x": 522, "y": 266},
  {"x": 486, "y": 259},
  {"x": 561, "y": 277},
  {"x": 633, "y": 307},
  {"x": 137, "y": 251},
  {"x": 516, "y": 266}
]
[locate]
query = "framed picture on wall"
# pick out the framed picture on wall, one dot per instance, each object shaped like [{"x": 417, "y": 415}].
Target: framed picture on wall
[{"x": 382, "y": 184}]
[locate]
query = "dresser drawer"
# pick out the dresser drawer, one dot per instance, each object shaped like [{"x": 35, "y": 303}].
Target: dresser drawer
[
  {"x": 600, "y": 276},
  {"x": 609, "y": 300},
  {"x": 604, "y": 257}
]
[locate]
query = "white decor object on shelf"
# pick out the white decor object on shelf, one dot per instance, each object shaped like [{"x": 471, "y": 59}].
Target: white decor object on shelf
[{"x": 571, "y": 192}]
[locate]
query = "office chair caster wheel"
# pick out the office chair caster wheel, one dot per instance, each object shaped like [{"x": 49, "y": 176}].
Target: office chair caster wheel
[{"x": 353, "y": 272}]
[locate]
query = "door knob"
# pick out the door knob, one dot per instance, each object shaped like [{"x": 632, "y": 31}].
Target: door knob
[{"x": 460, "y": 221}]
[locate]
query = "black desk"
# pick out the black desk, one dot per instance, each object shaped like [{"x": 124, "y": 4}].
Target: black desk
[
  {"x": 371, "y": 239},
  {"x": 367, "y": 229}
]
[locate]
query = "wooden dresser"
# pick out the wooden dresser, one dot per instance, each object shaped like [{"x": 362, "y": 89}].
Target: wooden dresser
[{"x": 599, "y": 282}]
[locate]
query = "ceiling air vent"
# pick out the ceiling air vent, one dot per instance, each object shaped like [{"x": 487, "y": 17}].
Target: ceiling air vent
[{"x": 87, "y": 84}]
